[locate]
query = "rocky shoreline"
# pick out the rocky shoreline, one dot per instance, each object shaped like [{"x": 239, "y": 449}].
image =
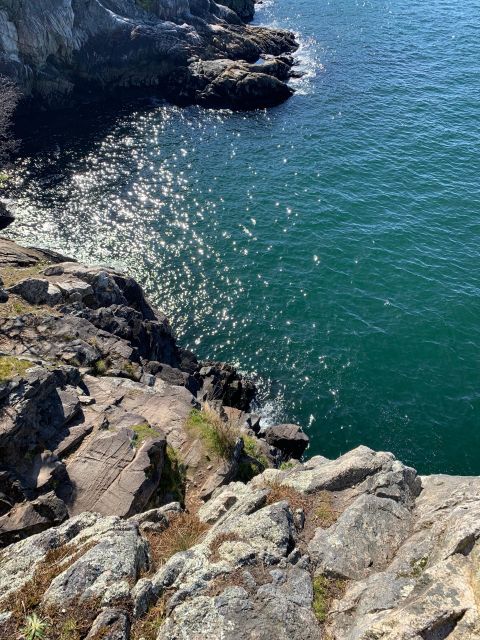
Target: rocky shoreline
[
  {"x": 65, "y": 52},
  {"x": 141, "y": 498}
]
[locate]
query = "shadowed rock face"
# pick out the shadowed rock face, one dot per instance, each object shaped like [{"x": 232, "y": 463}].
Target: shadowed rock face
[{"x": 61, "y": 51}]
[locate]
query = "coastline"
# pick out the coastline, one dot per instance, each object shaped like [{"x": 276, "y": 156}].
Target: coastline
[{"x": 141, "y": 499}]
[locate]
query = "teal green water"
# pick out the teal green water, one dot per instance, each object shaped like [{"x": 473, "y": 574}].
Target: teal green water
[{"x": 329, "y": 247}]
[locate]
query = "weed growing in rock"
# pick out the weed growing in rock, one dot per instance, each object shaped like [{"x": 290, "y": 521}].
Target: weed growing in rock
[
  {"x": 11, "y": 367},
  {"x": 252, "y": 449},
  {"x": 142, "y": 432},
  {"x": 325, "y": 590},
  {"x": 34, "y": 628},
  {"x": 219, "y": 437},
  {"x": 129, "y": 370},
  {"x": 100, "y": 367},
  {"x": 285, "y": 466}
]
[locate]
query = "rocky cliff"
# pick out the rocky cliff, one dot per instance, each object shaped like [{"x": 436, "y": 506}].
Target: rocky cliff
[
  {"x": 141, "y": 498},
  {"x": 65, "y": 51}
]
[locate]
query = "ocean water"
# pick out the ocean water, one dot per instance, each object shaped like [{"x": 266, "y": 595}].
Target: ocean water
[{"x": 329, "y": 247}]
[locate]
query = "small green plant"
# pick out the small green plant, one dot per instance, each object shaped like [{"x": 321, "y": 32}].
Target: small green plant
[
  {"x": 100, "y": 367},
  {"x": 148, "y": 5},
  {"x": 11, "y": 367},
  {"x": 218, "y": 437},
  {"x": 252, "y": 449},
  {"x": 129, "y": 370},
  {"x": 285, "y": 466},
  {"x": 142, "y": 432},
  {"x": 69, "y": 630},
  {"x": 34, "y": 628},
  {"x": 324, "y": 591}
]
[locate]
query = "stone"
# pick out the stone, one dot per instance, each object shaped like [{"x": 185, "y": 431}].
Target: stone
[
  {"x": 6, "y": 217},
  {"x": 335, "y": 475},
  {"x": 37, "y": 291},
  {"x": 58, "y": 54},
  {"x": 366, "y": 536},
  {"x": 289, "y": 438},
  {"x": 112, "y": 477},
  {"x": 110, "y": 624},
  {"x": 119, "y": 553},
  {"x": 28, "y": 518}
]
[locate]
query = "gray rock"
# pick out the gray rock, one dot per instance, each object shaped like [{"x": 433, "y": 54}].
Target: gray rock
[
  {"x": 37, "y": 291},
  {"x": 111, "y": 477},
  {"x": 365, "y": 537},
  {"x": 289, "y": 438},
  {"x": 110, "y": 624},
  {"x": 337, "y": 475},
  {"x": 29, "y": 518},
  {"x": 56, "y": 51}
]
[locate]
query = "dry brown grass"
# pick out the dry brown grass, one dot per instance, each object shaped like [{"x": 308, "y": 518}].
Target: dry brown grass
[
  {"x": 184, "y": 532},
  {"x": 239, "y": 578},
  {"x": 317, "y": 507},
  {"x": 28, "y": 598},
  {"x": 147, "y": 627}
]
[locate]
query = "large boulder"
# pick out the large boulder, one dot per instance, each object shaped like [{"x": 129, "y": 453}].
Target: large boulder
[{"x": 289, "y": 438}]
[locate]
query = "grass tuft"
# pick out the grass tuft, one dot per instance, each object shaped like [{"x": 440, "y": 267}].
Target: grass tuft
[
  {"x": 100, "y": 367},
  {"x": 11, "y": 367},
  {"x": 218, "y": 437},
  {"x": 252, "y": 449},
  {"x": 142, "y": 432},
  {"x": 185, "y": 531}
]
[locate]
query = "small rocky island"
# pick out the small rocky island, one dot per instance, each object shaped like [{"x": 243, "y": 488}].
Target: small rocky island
[
  {"x": 66, "y": 52},
  {"x": 140, "y": 496}
]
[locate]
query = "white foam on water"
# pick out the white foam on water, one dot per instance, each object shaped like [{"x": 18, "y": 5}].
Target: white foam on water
[{"x": 307, "y": 63}]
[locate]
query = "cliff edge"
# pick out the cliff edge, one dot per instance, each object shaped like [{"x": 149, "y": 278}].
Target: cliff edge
[{"x": 140, "y": 497}]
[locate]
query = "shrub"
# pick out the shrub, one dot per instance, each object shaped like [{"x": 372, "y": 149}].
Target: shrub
[
  {"x": 100, "y": 367},
  {"x": 219, "y": 437}
]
